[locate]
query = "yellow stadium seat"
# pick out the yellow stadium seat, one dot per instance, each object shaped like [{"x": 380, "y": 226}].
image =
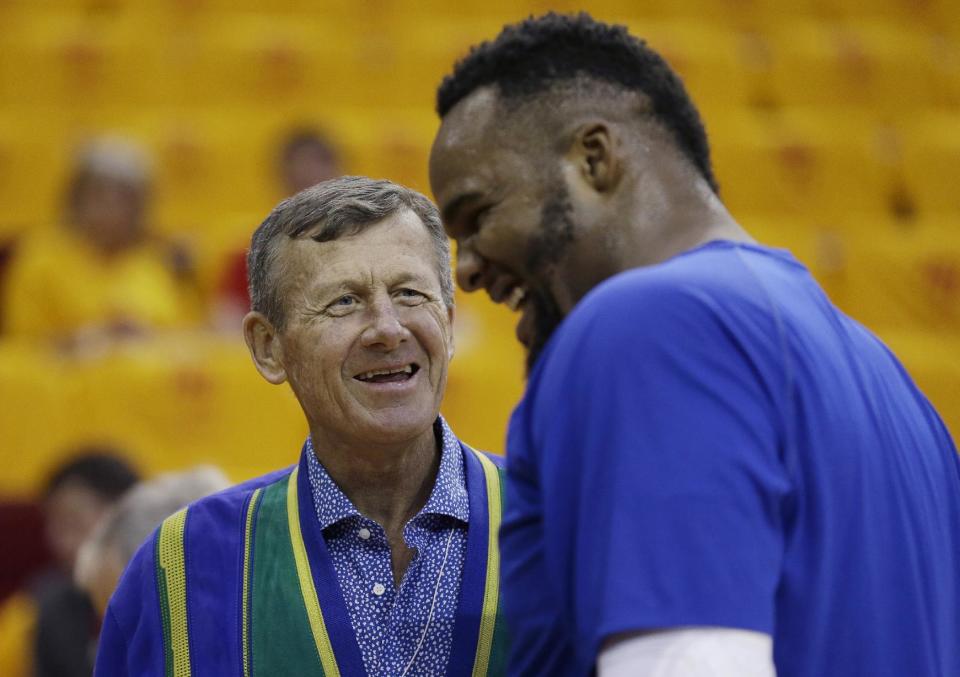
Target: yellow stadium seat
[
  {"x": 81, "y": 61},
  {"x": 904, "y": 276},
  {"x": 932, "y": 155},
  {"x": 885, "y": 273},
  {"x": 707, "y": 56},
  {"x": 800, "y": 162},
  {"x": 875, "y": 65},
  {"x": 34, "y": 155}
]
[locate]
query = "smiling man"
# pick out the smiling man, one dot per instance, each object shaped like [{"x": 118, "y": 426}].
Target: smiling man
[
  {"x": 713, "y": 471},
  {"x": 376, "y": 554}
]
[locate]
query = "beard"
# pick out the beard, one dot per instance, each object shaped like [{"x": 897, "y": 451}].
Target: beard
[
  {"x": 546, "y": 318},
  {"x": 547, "y": 248}
]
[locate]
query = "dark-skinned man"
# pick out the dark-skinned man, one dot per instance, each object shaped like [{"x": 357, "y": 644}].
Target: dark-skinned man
[
  {"x": 376, "y": 554},
  {"x": 713, "y": 471}
]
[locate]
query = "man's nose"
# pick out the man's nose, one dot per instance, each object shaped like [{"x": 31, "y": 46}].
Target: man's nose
[
  {"x": 385, "y": 329},
  {"x": 470, "y": 267}
]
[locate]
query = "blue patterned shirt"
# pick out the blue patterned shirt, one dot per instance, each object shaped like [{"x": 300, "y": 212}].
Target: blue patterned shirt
[{"x": 406, "y": 629}]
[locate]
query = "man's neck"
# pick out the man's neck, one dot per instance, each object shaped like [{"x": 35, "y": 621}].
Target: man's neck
[
  {"x": 684, "y": 226},
  {"x": 388, "y": 484},
  {"x": 654, "y": 239}
]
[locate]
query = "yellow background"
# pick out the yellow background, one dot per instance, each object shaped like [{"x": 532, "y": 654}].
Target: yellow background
[{"x": 835, "y": 128}]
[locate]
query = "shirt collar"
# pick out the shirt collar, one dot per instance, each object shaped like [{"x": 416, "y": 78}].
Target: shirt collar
[{"x": 448, "y": 496}]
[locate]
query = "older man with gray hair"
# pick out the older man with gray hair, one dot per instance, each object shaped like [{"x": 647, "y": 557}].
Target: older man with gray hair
[{"x": 376, "y": 554}]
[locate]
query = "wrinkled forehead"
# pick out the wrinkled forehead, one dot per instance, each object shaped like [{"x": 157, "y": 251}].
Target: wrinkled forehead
[{"x": 398, "y": 243}]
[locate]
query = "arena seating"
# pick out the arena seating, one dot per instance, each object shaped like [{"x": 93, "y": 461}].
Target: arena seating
[{"x": 835, "y": 128}]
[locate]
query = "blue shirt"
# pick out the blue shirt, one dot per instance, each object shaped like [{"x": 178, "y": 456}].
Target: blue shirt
[
  {"x": 710, "y": 442},
  {"x": 390, "y": 622}
]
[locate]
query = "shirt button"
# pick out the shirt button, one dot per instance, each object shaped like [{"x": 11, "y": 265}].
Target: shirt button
[
  {"x": 364, "y": 533},
  {"x": 378, "y": 589}
]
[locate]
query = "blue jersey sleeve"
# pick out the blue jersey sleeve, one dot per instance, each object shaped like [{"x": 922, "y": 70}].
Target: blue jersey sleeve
[
  {"x": 131, "y": 640},
  {"x": 652, "y": 441}
]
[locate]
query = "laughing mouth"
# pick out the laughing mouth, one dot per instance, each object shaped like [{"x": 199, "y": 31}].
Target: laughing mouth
[
  {"x": 389, "y": 374},
  {"x": 515, "y": 298}
]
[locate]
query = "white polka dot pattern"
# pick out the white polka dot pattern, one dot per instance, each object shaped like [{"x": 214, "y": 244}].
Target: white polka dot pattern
[{"x": 390, "y": 621}]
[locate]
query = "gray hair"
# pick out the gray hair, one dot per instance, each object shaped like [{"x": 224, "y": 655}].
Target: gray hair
[
  {"x": 330, "y": 210},
  {"x": 134, "y": 517}
]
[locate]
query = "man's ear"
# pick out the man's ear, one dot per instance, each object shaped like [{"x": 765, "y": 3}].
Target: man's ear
[
  {"x": 451, "y": 313},
  {"x": 595, "y": 156},
  {"x": 263, "y": 342}
]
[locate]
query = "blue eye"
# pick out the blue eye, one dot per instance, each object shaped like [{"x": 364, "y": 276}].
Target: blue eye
[
  {"x": 410, "y": 295},
  {"x": 342, "y": 304}
]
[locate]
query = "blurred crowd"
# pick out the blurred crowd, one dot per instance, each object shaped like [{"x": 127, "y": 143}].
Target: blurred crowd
[
  {"x": 100, "y": 278},
  {"x": 96, "y": 512},
  {"x": 103, "y": 274},
  {"x": 105, "y": 277}
]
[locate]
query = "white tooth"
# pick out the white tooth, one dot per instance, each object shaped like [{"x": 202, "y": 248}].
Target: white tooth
[
  {"x": 517, "y": 294},
  {"x": 408, "y": 369}
]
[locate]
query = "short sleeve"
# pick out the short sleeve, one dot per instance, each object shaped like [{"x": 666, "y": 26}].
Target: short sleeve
[{"x": 655, "y": 436}]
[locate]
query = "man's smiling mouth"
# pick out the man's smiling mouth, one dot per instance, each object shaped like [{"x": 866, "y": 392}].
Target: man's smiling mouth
[{"x": 389, "y": 374}]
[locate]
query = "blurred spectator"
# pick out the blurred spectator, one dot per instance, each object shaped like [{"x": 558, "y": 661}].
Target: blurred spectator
[
  {"x": 50, "y": 629},
  {"x": 101, "y": 275},
  {"x": 116, "y": 538},
  {"x": 306, "y": 158}
]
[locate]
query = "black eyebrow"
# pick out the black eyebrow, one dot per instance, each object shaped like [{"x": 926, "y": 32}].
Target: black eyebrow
[{"x": 452, "y": 209}]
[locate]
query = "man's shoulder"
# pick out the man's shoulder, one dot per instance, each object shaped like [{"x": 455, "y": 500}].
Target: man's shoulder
[
  {"x": 228, "y": 502},
  {"x": 720, "y": 281},
  {"x": 722, "y": 268},
  {"x": 239, "y": 493},
  {"x": 699, "y": 298},
  {"x": 496, "y": 459},
  {"x": 640, "y": 300},
  {"x": 211, "y": 541}
]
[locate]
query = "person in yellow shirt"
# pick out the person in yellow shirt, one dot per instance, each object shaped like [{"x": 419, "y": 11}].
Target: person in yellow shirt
[{"x": 101, "y": 275}]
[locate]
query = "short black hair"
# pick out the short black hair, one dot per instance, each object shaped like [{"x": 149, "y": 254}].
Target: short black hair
[
  {"x": 532, "y": 56},
  {"x": 101, "y": 469}
]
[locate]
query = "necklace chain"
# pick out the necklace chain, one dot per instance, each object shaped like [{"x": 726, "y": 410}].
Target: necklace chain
[{"x": 433, "y": 605}]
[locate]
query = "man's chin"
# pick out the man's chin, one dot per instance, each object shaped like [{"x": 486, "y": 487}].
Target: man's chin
[
  {"x": 398, "y": 425},
  {"x": 545, "y": 317}
]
